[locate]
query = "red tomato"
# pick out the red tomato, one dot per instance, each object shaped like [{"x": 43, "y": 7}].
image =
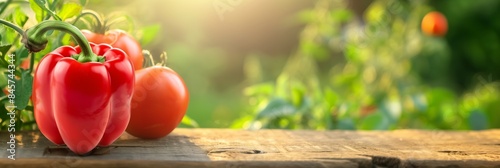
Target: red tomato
[
  {"x": 119, "y": 39},
  {"x": 159, "y": 102},
  {"x": 434, "y": 24}
]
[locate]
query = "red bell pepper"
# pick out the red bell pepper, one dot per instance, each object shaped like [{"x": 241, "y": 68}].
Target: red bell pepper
[{"x": 81, "y": 95}]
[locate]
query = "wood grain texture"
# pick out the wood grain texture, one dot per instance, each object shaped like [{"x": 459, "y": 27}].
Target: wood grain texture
[{"x": 270, "y": 148}]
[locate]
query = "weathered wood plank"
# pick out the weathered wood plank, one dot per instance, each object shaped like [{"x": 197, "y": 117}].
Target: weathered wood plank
[
  {"x": 58, "y": 163},
  {"x": 271, "y": 148}
]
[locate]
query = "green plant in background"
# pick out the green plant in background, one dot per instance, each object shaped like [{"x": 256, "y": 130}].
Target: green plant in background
[
  {"x": 15, "y": 12},
  {"x": 17, "y": 64},
  {"x": 474, "y": 39},
  {"x": 376, "y": 71}
]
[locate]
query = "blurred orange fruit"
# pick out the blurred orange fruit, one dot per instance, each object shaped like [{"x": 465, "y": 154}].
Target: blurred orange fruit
[{"x": 435, "y": 24}]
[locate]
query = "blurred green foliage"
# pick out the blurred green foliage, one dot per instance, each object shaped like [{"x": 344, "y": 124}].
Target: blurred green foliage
[
  {"x": 372, "y": 69},
  {"x": 379, "y": 71},
  {"x": 353, "y": 68},
  {"x": 473, "y": 39}
]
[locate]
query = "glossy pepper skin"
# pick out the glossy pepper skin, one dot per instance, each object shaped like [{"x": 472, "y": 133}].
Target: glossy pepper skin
[{"x": 83, "y": 105}]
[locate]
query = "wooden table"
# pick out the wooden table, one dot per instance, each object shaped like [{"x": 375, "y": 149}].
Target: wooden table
[{"x": 270, "y": 148}]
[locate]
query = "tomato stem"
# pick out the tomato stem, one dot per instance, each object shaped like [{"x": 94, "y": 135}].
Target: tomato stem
[
  {"x": 164, "y": 58},
  {"x": 96, "y": 17},
  {"x": 36, "y": 40},
  {"x": 148, "y": 54}
]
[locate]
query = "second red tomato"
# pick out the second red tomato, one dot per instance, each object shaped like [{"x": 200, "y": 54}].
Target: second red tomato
[
  {"x": 159, "y": 102},
  {"x": 119, "y": 39}
]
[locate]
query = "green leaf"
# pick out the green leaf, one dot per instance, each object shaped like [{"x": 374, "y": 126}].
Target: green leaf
[
  {"x": 297, "y": 93},
  {"x": 189, "y": 122},
  {"x": 3, "y": 63},
  {"x": 23, "y": 90},
  {"x": 3, "y": 6},
  {"x": 314, "y": 49},
  {"x": 3, "y": 114},
  {"x": 149, "y": 33},
  {"x": 66, "y": 39},
  {"x": 419, "y": 102},
  {"x": 341, "y": 15},
  {"x": 39, "y": 12},
  {"x": 69, "y": 10},
  {"x": 478, "y": 120},
  {"x": 330, "y": 97},
  {"x": 4, "y": 49},
  {"x": 352, "y": 53},
  {"x": 18, "y": 17},
  {"x": 277, "y": 107},
  {"x": 8, "y": 34},
  {"x": 346, "y": 124},
  {"x": 52, "y": 4},
  {"x": 375, "y": 121},
  {"x": 241, "y": 122},
  {"x": 3, "y": 81},
  {"x": 22, "y": 53},
  {"x": 305, "y": 105},
  {"x": 41, "y": 9},
  {"x": 259, "y": 89},
  {"x": 19, "y": 122},
  {"x": 41, "y": 3},
  {"x": 83, "y": 2}
]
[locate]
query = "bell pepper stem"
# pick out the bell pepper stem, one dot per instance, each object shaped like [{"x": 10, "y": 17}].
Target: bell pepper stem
[
  {"x": 20, "y": 31},
  {"x": 35, "y": 38},
  {"x": 12, "y": 26}
]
